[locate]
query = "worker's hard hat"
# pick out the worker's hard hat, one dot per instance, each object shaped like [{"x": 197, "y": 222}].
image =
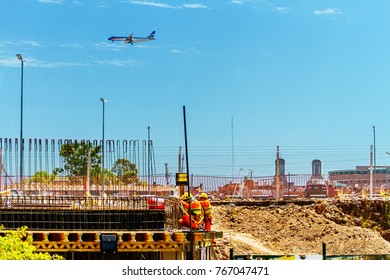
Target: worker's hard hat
[
  {"x": 204, "y": 195},
  {"x": 185, "y": 195}
]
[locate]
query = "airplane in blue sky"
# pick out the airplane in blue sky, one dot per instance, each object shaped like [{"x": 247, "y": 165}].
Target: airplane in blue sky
[{"x": 131, "y": 39}]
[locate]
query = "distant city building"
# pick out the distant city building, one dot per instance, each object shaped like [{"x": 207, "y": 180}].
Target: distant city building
[
  {"x": 361, "y": 176},
  {"x": 316, "y": 175},
  {"x": 282, "y": 167},
  {"x": 316, "y": 168}
]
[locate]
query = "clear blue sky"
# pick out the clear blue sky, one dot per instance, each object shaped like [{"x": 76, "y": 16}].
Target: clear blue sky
[{"x": 298, "y": 74}]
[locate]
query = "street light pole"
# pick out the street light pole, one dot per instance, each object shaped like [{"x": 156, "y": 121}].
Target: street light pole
[
  {"x": 19, "y": 56},
  {"x": 103, "y": 102},
  {"x": 373, "y": 127},
  {"x": 148, "y": 161}
]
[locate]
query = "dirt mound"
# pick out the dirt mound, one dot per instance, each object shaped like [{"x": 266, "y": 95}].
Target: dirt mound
[{"x": 293, "y": 230}]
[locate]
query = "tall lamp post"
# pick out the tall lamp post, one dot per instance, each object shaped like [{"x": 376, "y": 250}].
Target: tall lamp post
[
  {"x": 373, "y": 127},
  {"x": 103, "y": 102},
  {"x": 19, "y": 56},
  {"x": 148, "y": 160}
]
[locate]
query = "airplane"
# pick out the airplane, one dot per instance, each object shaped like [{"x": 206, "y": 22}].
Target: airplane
[{"x": 130, "y": 39}]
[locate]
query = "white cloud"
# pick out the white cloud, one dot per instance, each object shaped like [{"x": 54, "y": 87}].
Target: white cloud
[
  {"x": 177, "y": 51},
  {"x": 167, "y": 6},
  {"x": 194, "y": 6},
  {"x": 328, "y": 11},
  {"x": 239, "y": 2},
  {"x": 32, "y": 43},
  {"x": 5, "y": 43},
  {"x": 72, "y": 45},
  {"x": 51, "y": 1},
  {"x": 116, "y": 62},
  {"x": 12, "y": 61},
  {"x": 102, "y": 5},
  {"x": 144, "y": 46},
  {"x": 188, "y": 51},
  {"x": 282, "y": 9},
  {"x": 153, "y": 4},
  {"x": 46, "y": 64},
  {"x": 60, "y": 64},
  {"x": 32, "y": 62},
  {"x": 9, "y": 61},
  {"x": 6, "y": 46},
  {"x": 110, "y": 46}
]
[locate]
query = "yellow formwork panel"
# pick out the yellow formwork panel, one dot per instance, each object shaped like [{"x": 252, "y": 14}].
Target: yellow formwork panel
[
  {"x": 122, "y": 246},
  {"x": 127, "y": 241}
]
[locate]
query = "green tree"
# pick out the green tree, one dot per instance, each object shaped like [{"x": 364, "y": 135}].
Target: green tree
[
  {"x": 109, "y": 177},
  {"x": 16, "y": 245},
  {"x": 42, "y": 177},
  {"x": 75, "y": 156},
  {"x": 125, "y": 171}
]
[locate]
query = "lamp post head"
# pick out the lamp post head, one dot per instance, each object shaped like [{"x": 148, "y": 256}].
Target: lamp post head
[
  {"x": 19, "y": 56},
  {"x": 103, "y": 100}
]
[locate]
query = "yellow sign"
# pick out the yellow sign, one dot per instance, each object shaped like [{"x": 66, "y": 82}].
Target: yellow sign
[{"x": 181, "y": 179}]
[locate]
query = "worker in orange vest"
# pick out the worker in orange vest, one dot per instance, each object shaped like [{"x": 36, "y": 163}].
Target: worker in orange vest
[
  {"x": 188, "y": 201},
  {"x": 207, "y": 210}
]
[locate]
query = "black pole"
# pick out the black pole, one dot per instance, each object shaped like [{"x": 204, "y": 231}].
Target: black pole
[
  {"x": 374, "y": 155},
  {"x": 191, "y": 257},
  {"x": 103, "y": 151},
  {"x": 324, "y": 251},
  {"x": 103, "y": 101},
  {"x": 21, "y": 121},
  {"x": 148, "y": 161},
  {"x": 231, "y": 254},
  {"x": 21, "y": 128}
]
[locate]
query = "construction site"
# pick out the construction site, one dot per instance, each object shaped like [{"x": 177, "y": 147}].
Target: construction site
[{"x": 77, "y": 208}]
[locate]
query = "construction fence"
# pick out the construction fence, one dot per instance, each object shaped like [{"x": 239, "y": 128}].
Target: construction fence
[
  {"x": 292, "y": 186},
  {"x": 42, "y": 167}
]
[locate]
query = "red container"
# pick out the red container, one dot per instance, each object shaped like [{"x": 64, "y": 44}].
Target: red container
[{"x": 155, "y": 203}]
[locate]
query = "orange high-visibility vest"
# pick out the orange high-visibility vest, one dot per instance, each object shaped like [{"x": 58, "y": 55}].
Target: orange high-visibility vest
[
  {"x": 207, "y": 208},
  {"x": 196, "y": 207}
]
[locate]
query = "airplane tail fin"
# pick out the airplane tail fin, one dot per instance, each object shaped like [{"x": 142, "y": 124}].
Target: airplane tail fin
[{"x": 151, "y": 36}]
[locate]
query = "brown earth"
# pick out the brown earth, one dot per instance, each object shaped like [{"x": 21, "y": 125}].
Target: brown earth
[{"x": 291, "y": 229}]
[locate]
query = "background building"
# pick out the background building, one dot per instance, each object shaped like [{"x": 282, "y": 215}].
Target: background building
[{"x": 360, "y": 176}]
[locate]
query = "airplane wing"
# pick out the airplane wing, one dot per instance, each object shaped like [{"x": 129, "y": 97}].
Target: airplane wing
[{"x": 129, "y": 39}]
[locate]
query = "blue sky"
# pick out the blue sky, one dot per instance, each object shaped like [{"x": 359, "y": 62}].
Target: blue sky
[{"x": 309, "y": 76}]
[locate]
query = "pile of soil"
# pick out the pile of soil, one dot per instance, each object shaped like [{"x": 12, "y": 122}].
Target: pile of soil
[{"x": 292, "y": 229}]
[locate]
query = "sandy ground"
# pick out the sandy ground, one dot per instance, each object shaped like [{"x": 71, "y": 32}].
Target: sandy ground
[{"x": 292, "y": 230}]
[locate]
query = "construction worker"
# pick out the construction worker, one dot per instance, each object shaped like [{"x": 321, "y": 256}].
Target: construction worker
[
  {"x": 196, "y": 216},
  {"x": 207, "y": 210}
]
